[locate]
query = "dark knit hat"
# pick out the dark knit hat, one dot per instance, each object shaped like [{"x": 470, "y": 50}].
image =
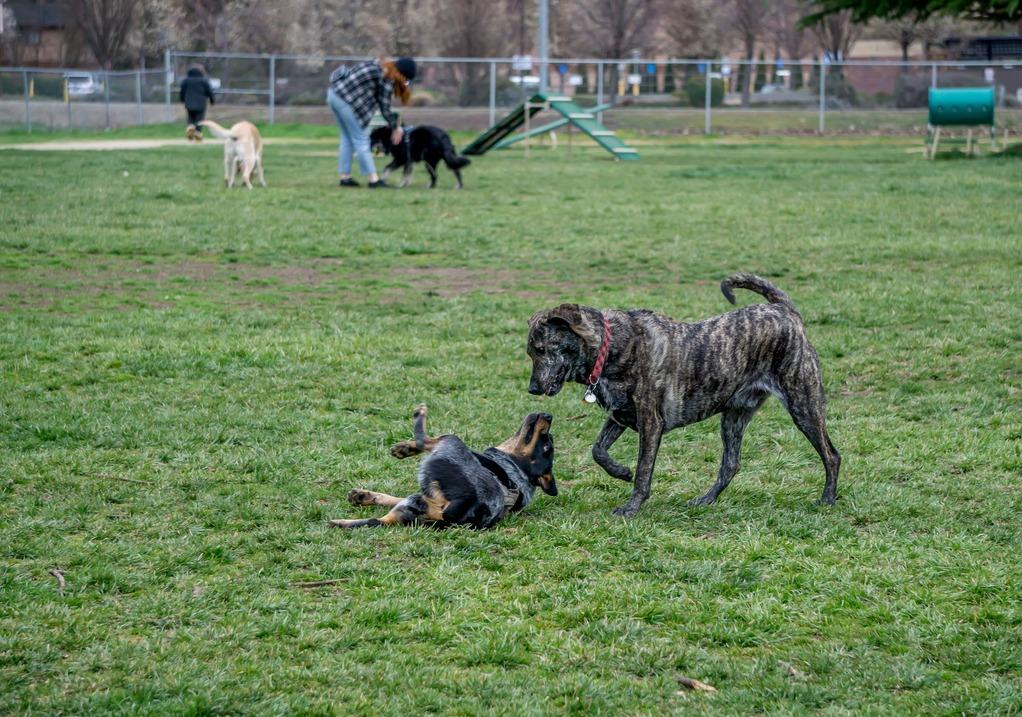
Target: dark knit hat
[{"x": 406, "y": 66}]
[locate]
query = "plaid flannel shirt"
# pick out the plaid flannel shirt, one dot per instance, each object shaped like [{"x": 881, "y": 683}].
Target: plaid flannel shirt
[{"x": 365, "y": 88}]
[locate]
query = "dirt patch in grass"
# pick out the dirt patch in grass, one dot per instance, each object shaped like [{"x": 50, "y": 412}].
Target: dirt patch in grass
[
  {"x": 152, "y": 284},
  {"x": 157, "y": 285},
  {"x": 450, "y": 281}
]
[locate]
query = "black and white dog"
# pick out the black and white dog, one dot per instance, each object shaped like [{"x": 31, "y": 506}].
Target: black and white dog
[{"x": 420, "y": 144}]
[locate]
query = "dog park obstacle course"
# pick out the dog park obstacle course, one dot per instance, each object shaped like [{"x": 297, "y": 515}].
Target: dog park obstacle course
[
  {"x": 542, "y": 129},
  {"x": 962, "y": 107},
  {"x": 573, "y": 114}
]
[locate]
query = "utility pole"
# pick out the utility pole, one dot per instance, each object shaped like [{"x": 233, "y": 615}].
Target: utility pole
[{"x": 544, "y": 45}]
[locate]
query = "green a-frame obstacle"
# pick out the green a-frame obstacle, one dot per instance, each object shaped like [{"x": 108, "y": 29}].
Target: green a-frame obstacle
[{"x": 497, "y": 135}]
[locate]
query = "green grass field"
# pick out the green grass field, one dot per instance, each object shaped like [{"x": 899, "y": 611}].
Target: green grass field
[{"x": 192, "y": 380}]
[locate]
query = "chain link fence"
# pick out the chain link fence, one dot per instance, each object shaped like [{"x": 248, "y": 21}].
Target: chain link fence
[{"x": 470, "y": 94}]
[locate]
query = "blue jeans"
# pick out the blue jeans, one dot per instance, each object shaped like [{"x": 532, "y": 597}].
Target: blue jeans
[{"x": 353, "y": 137}]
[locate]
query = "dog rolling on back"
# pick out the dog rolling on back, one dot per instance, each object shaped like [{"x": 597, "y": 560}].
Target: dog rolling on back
[
  {"x": 660, "y": 374},
  {"x": 243, "y": 151},
  {"x": 420, "y": 144},
  {"x": 461, "y": 487}
]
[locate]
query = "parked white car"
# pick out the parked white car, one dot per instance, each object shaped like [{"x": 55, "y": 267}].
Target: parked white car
[{"x": 82, "y": 84}]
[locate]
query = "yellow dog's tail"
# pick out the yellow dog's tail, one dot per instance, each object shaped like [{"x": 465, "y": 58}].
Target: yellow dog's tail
[{"x": 217, "y": 130}]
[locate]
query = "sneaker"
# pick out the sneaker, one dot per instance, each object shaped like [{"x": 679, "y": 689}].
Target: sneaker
[
  {"x": 190, "y": 132},
  {"x": 379, "y": 184},
  {"x": 349, "y": 182}
]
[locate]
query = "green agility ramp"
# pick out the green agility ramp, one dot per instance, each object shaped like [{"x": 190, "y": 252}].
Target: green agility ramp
[
  {"x": 573, "y": 114},
  {"x": 550, "y": 127}
]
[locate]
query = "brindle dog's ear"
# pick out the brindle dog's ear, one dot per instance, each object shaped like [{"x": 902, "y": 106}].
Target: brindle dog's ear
[
  {"x": 575, "y": 318},
  {"x": 568, "y": 314}
]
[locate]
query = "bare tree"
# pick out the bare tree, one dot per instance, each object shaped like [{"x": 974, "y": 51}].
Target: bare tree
[
  {"x": 694, "y": 28},
  {"x": 750, "y": 18},
  {"x": 471, "y": 28},
  {"x": 10, "y": 48},
  {"x": 614, "y": 29},
  {"x": 106, "y": 25},
  {"x": 521, "y": 21},
  {"x": 836, "y": 35},
  {"x": 788, "y": 36},
  {"x": 196, "y": 23}
]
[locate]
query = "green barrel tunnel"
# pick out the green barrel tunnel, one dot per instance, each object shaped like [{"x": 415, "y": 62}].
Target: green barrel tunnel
[{"x": 961, "y": 106}]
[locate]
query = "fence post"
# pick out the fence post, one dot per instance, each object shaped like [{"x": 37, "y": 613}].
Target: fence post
[
  {"x": 599, "y": 90},
  {"x": 709, "y": 95},
  {"x": 138, "y": 96},
  {"x": 106, "y": 95},
  {"x": 166, "y": 83},
  {"x": 28, "y": 112},
  {"x": 933, "y": 75},
  {"x": 493, "y": 93},
  {"x": 823, "y": 93},
  {"x": 273, "y": 85}
]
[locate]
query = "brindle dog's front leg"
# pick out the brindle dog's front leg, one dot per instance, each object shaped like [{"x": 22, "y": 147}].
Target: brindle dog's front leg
[
  {"x": 610, "y": 432},
  {"x": 651, "y": 430}
]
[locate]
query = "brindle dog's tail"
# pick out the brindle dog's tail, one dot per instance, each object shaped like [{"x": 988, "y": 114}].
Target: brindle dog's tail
[{"x": 758, "y": 284}]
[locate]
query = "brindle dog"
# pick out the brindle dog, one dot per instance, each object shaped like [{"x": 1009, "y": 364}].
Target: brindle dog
[
  {"x": 660, "y": 374},
  {"x": 461, "y": 487}
]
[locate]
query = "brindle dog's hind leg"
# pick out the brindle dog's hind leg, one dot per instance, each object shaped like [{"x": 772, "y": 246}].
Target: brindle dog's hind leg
[
  {"x": 422, "y": 443},
  {"x": 610, "y": 432},
  {"x": 805, "y": 403},
  {"x": 732, "y": 428}
]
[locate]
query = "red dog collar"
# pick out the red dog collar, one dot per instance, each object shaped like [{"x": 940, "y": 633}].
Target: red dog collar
[{"x": 601, "y": 357}]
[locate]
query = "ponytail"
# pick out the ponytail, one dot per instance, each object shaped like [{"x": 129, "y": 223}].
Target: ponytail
[{"x": 391, "y": 73}]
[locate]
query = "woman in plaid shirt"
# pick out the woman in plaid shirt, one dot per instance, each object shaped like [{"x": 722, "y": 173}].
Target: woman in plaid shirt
[{"x": 354, "y": 95}]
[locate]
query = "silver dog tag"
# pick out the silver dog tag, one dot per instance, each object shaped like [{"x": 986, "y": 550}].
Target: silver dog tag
[{"x": 590, "y": 396}]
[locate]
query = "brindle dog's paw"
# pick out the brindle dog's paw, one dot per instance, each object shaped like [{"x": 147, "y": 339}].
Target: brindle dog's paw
[
  {"x": 359, "y": 497},
  {"x": 625, "y": 511},
  {"x": 700, "y": 501}
]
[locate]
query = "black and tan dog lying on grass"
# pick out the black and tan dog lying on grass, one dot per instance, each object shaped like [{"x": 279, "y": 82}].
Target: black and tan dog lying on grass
[
  {"x": 652, "y": 374},
  {"x": 461, "y": 487}
]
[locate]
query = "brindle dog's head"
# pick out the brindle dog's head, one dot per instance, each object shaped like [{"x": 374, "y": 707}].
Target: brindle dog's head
[
  {"x": 532, "y": 447},
  {"x": 379, "y": 141},
  {"x": 560, "y": 342}
]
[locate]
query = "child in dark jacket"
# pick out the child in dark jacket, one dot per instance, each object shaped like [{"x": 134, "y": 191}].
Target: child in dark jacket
[{"x": 195, "y": 90}]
